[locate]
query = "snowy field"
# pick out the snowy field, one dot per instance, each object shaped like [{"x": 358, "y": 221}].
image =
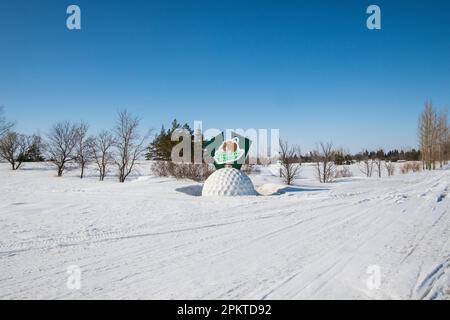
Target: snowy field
[{"x": 154, "y": 238}]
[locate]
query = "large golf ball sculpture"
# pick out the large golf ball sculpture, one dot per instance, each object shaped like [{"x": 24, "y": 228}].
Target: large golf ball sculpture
[{"x": 228, "y": 181}]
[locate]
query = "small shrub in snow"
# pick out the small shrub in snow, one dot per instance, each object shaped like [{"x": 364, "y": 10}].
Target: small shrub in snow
[
  {"x": 161, "y": 168},
  {"x": 410, "y": 166},
  {"x": 192, "y": 171},
  {"x": 415, "y": 166},
  {"x": 405, "y": 168},
  {"x": 343, "y": 173}
]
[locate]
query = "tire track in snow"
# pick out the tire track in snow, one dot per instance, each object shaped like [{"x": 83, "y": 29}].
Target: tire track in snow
[
  {"x": 14, "y": 247},
  {"x": 436, "y": 284}
]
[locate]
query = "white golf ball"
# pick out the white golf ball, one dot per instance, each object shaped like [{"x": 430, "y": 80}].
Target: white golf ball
[{"x": 228, "y": 182}]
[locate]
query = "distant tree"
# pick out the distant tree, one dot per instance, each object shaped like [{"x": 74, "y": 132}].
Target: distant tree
[
  {"x": 306, "y": 158},
  {"x": 324, "y": 162},
  {"x": 83, "y": 149},
  {"x": 14, "y": 148},
  {"x": 62, "y": 142},
  {"x": 290, "y": 162},
  {"x": 447, "y": 146},
  {"x": 359, "y": 157},
  {"x": 366, "y": 164},
  {"x": 102, "y": 152},
  {"x": 5, "y": 125},
  {"x": 129, "y": 144},
  {"x": 342, "y": 157},
  {"x": 433, "y": 136},
  {"x": 442, "y": 136},
  {"x": 408, "y": 155},
  {"x": 428, "y": 135},
  {"x": 348, "y": 159},
  {"x": 412, "y": 155},
  {"x": 339, "y": 158},
  {"x": 378, "y": 161},
  {"x": 390, "y": 168},
  {"x": 393, "y": 155}
]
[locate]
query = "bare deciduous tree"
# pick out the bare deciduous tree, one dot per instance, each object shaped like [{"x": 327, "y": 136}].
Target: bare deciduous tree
[
  {"x": 290, "y": 162},
  {"x": 378, "y": 161},
  {"x": 442, "y": 136},
  {"x": 428, "y": 135},
  {"x": 130, "y": 145},
  {"x": 366, "y": 165},
  {"x": 83, "y": 154},
  {"x": 433, "y": 136},
  {"x": 14, "y": 148},
  {"x": 378, "y": 166},
  {"x": 5, "y": 125},
  {"x": 102, "y": 152},
  {"x": 390, "y": 168},
  {"x": 324, "y": 161},
  {"x": 62, "y": 142}
]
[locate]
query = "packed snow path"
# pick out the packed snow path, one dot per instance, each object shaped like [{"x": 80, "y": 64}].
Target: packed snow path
[{"x": 152, "y": 239}]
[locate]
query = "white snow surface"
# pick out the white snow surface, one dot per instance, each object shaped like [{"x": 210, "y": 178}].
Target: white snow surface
[{"x": 156, "y": 238}]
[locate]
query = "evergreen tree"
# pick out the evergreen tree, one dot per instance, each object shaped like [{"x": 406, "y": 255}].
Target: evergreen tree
[
  {"x": 161, "y": 147},
  {"x": 380, "y": 154},
  {"x": 34, "y": 153},
  {"x": 339, "y": 158}
]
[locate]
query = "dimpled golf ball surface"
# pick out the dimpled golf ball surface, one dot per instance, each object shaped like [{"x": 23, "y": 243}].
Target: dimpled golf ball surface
[{"x": 228, "y": 182}]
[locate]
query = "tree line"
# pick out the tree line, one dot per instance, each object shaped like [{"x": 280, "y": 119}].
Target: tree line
[
  {"x": 434, "y": 136},
  {"x": 434, "y": 143},
  {"x": 67, "y": 143},
  {"x": 123, "y": 145}
]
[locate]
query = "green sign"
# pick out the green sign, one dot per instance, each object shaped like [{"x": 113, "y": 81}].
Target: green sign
[{"x": 232, "y": 152}]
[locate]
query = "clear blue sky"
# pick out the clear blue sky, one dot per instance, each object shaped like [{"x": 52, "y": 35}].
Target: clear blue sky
[{"x": 310, "y": 68}]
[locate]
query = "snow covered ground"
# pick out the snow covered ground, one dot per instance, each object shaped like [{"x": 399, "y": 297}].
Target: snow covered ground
[{"x": 154, "y": 238}]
